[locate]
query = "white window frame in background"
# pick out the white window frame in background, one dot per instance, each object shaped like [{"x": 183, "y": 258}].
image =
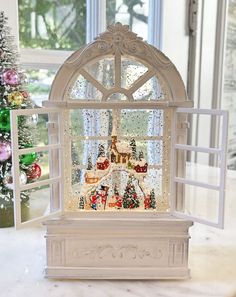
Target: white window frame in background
[
  {"x": 206, "y": 76},
  {"x": 95, "y": 24}
]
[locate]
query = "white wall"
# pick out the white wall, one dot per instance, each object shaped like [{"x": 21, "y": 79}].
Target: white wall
[
  {"x": 175, "y": 39},
  {"x": 10, "y": 9}
]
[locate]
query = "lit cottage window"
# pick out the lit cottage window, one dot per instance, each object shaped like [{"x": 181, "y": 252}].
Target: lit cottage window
[{"x": 115, "y": 138}]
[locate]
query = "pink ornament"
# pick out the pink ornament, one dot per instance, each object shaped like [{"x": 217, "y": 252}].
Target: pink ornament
[
  {"x": 11, "y": 77},
  {"x": 5, "y": 150}
]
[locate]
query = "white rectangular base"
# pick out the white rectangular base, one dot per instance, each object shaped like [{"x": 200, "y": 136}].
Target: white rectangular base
[{"x": 117, "y": 247}]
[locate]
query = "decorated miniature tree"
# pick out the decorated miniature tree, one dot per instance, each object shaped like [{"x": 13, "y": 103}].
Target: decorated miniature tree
[
  {"x": 101, "y": 151},
  {"x": 133, "y": 148},
  {"x": 153, "y": 199},
  {"x": 13, "y": 95},
  {"x": 89, "y": 164},
  {"x": 81, "y": 202},
  {"x": 130, "y": 198},
  {"x": 116, "y": 193}
]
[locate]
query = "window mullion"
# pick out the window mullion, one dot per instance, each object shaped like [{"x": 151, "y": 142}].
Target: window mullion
[
  {"x": 155, "y": 23},
  {"x": 48, "y": 59},
  {"x": 96, "y": 18}
]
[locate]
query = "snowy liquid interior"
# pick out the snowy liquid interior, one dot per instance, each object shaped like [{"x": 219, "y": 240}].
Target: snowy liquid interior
[{"x": 118, "y": 159}]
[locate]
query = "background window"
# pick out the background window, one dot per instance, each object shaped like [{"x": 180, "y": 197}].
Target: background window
[
  {"x": 52, "y": 24},
  {"x": 133, "y": 13}
]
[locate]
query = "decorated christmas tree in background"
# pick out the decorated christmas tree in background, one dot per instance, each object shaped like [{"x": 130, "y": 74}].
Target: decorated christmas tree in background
[
  {"x": 133, "y": 148},
  {"x": 130, "y": 198},
  {"x": 13, "y": 95}
]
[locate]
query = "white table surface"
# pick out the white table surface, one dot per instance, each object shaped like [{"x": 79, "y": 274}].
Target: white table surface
[{"x": 212, "y": 262}]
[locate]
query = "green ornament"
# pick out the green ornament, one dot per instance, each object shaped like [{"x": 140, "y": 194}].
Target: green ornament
[
  {"x": 5, "y": 123},
  {"x": 28, "y": 159}
]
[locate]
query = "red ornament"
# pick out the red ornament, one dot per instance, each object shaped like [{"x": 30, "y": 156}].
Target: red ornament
[{"x": 34, "y": 172}]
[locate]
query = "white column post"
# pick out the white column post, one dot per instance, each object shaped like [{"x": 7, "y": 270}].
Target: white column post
[
  {"x": 96, "y": 18},
  {"x": 155, "y": 23}
]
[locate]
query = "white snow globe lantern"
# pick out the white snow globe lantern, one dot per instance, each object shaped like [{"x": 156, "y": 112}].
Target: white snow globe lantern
[{"x": 118, "y": 186}]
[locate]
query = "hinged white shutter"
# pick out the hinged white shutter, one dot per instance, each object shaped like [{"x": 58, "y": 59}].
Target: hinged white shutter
[
  {"x": 54, "y": 182},
  {"x": 200, "y": 185}
]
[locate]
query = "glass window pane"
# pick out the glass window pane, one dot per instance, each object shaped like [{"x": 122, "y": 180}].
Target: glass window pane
[
  {"x": 36, "y": 166},
  {"x": 201, "y": 203},
  {"x": 40, "y": 82},
  {"x": 34, "y": 130},
  {"x": 131, "y": 70},
  {"x": 132, "y": 13},
  {"x": 84, "y": 90},
  {"x": 200, "y": 136},
  {"x": 52, "y": 24},
  {"x": 91, "y": 122},
  {"x": 142, "y": 122},
  {"x": 103, "y": 71},
  {"x": 200, "y": 172},
  {"x": 37, "y": 202},
  {"x": 150, "y": 90}
]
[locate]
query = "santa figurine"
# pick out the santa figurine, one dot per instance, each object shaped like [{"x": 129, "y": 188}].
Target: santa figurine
[{"x": 147, "y": 202}]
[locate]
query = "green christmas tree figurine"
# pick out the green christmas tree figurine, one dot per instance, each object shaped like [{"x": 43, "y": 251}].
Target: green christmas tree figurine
[
  {"x": 13, "y": 95},
  {"x": 116, "y": 193},
  {"x": 89, "y": 164},
  {"x": 81, "y": 202},
  {"x": 153, "y": 199},
  {"x": 130, "y": 198},
  {"x": 133, "y": 148}
]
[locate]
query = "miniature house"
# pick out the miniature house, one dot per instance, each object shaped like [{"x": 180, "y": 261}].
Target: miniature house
[{"x": 118, "y": 197}]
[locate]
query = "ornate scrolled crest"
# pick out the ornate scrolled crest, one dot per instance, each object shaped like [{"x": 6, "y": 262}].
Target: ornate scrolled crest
[{"x": 119, "y": 40}]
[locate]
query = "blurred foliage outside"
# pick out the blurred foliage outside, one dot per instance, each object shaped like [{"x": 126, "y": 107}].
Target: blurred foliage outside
[
  {"x": 52, "y": 24},
  {"x": 61, "y": 25}
]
